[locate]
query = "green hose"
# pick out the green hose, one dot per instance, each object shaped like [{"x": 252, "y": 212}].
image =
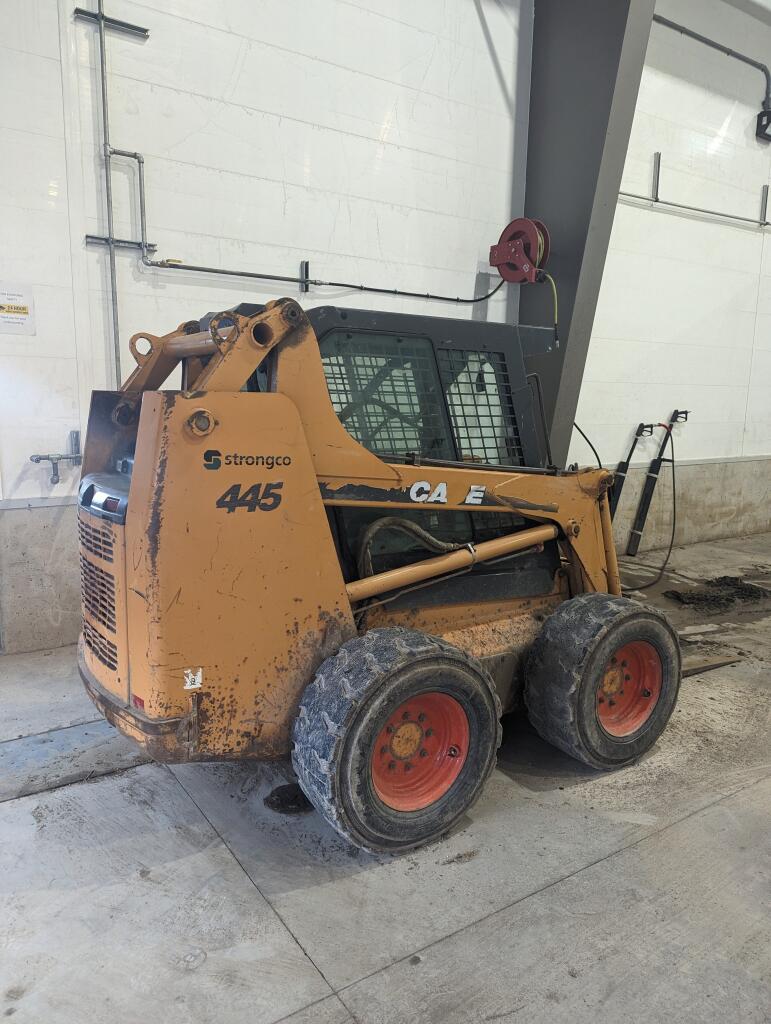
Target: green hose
[{"x": 551, "y": 281}]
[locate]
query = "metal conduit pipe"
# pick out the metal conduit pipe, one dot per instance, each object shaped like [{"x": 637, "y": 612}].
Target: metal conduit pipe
[
  {"x": 103, "y": 22},
  {"x": 722, "y": 48},
  {"x": 108, "y": 193},
  {"x": 140, "y": 162}
]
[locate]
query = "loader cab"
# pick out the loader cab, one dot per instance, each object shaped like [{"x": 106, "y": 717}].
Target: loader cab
[
  {"x": 411, "y": 388},
  {"x": 408, "y": 386}
]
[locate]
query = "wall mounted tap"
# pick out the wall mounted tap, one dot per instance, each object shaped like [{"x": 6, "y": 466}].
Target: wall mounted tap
[{"x": 74, "y": 456}]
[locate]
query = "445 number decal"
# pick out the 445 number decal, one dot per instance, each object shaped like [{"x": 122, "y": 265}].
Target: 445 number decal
[{"x": 265, "y": 497}]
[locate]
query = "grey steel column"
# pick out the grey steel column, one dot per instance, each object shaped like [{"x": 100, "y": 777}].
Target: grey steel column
[{"x": 587, "y": 64}]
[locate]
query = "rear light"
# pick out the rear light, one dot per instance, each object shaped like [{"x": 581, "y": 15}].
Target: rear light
[{"x": 138, "y": 702}]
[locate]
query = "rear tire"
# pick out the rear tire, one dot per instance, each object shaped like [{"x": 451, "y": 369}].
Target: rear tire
[
  {"x": 395, "y": 738},
  {"x": 602, "y": 679}
]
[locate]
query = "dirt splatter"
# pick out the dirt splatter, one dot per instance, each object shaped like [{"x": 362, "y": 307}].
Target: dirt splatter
[
  {"x": 39, "y": 814},
  {"x": 718, "y": 594},
  {"x": 461, "y": 858}
]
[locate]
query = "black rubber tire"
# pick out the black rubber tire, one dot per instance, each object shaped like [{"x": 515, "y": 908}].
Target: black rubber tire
[
  {"x": 344, "y": 708},
  {"x": 566, "y": 664}
]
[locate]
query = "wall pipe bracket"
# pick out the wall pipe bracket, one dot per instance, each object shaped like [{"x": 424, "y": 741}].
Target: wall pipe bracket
[{"x": 655, "y": 199}]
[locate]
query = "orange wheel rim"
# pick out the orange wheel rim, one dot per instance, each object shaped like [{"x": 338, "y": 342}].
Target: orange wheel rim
[
  {"x": 420, "y": 751},
  {"x": 629, "y": 689}
]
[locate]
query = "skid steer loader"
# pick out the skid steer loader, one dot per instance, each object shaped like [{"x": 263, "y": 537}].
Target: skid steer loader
[{"x": 339, "y": 538}]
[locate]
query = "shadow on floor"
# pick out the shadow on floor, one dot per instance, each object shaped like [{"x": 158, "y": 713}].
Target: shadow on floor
[{"x": 535, "y": 764}]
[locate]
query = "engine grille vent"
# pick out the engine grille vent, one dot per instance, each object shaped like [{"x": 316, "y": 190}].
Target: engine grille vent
[
  {"x": 97, "y": 539},
  {"x": 98, "y": 592},
  {"x": 103, "y": 649}
]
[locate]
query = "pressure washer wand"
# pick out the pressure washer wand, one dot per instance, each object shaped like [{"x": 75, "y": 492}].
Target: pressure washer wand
[
  {"x": 643, "y": 430},
  {"x": 651, "y": 479}
]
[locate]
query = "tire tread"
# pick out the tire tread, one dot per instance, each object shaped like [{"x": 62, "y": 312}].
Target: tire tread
[
  {"x": 333, "y": 696},
  {"x": 558, "y": 660}
]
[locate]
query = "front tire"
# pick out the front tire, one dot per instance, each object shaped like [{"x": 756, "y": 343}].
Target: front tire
[
  {"x": 602, "y": 679},
  {"x": 395, "y": 738}
]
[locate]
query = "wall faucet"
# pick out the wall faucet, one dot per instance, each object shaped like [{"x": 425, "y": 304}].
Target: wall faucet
[{"x": 74, "y": 456}]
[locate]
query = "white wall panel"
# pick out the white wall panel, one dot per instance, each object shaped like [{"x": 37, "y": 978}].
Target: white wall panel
[
  {"x": 30, "y": 91},
  {"x": 38, "y": 410},
  {"x": 38, "y": 373},
  {"x": 684, "y": 315},
  {"x": 38, "y": 252},
  {"x": 758, "y": 428},
  {"x": 34, "y": 27},
  {"x": 383, "y": 141},
  {"x": 33, "y": 172}
]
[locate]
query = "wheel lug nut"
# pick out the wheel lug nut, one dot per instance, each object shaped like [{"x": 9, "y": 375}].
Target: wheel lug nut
[
  {"x": 627, "y": 678},
  {"x": 612, "y": 702},
  {"x": 453, "y": 751},
  {"x": 389, "y": 729},
  {"x": 405, "y": 715},
  {"x": 646, "y": 693},
  {"x": 408, "y": 767},
  {"x": 429, "y": 732},
  {"x": 600, "y": 700},
  {"x": 424, "y": 752},
  {"x": 391, "y": 765},
  {"x": 384, "y": 750},
  {"x": 422, "y": 717},
  {"x": 624, "y": 664}
]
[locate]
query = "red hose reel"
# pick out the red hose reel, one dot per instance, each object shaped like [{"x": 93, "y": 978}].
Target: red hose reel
[{"x": 522, "y": 251}]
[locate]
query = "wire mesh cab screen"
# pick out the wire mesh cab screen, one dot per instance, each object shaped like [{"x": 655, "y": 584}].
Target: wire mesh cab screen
[{"x": 442, "y": 389}]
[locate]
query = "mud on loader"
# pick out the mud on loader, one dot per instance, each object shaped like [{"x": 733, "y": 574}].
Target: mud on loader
[{"x": 338, "y": 539}]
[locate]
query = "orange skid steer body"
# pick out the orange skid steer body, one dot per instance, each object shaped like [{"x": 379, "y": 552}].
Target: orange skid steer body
[{"x": 327, "y": 543}]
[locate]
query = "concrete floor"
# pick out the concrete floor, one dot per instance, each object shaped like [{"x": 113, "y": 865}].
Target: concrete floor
[{"x": 132, "y": 892}]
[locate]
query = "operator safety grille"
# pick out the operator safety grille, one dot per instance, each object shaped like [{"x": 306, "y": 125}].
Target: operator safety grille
[
  {"x": 98, "y": 592},
  {"x": 479, "y": 399},
  {"x": 96, "y": 539},
  {"x": 399, "y": 395},
  {"x": 386, "y": 392},
  {"x": 103, "y": 649}
]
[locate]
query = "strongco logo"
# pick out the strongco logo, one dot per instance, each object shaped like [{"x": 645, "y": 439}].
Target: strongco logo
[{"x": 212, "y": 459}]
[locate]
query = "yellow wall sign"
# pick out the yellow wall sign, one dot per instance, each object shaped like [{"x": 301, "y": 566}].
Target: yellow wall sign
[{"x": 17, "y": 315}]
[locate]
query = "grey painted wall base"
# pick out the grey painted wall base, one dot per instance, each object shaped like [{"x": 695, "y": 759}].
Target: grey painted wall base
[
  {"x": 40, "y": 583},
  {"x": 39, "y": 578},
  {"x": 714, "y": 500}
]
